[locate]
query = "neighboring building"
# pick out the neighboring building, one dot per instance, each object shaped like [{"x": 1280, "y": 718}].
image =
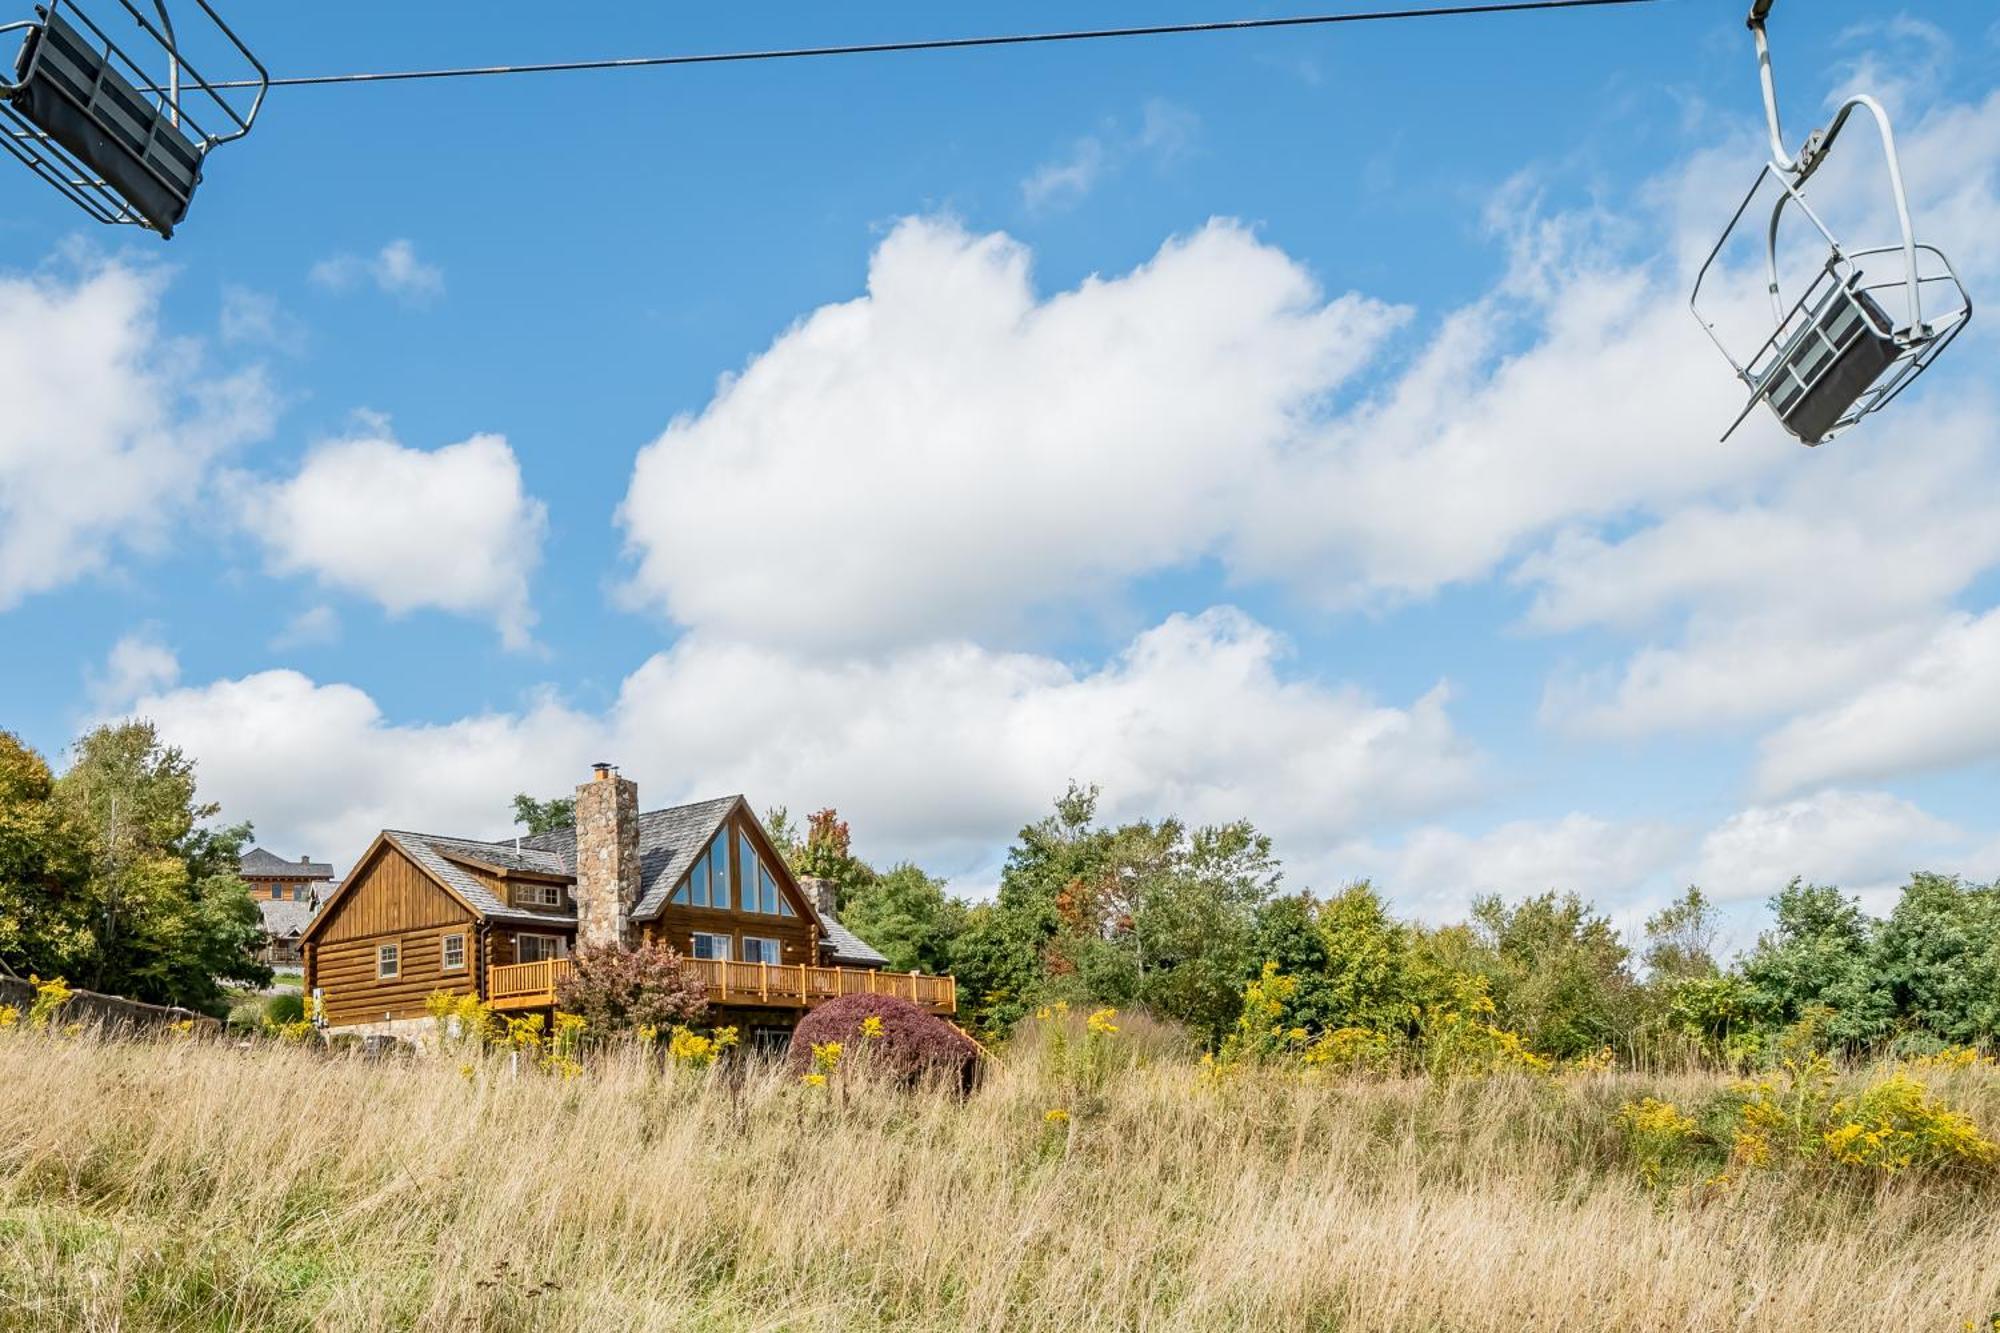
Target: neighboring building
[
  {"x": 286, "y": 892},
  {"x": 422, "y": 913}
]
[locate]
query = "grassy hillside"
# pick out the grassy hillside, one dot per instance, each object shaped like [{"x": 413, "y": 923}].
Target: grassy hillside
[{"x": 180, "y": 1184}]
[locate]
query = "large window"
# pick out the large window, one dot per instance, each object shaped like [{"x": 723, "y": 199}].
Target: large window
[
  {"x": 707, "y": 882},
  {"x": 388, "y": 961},
  {"x": 454, "y": 954},
  {"x": 753, "y": 949},
  {"x": 761, "y": 893},
  {"x": 711, "y": 946},
  {"x": 538, "y": 948}
]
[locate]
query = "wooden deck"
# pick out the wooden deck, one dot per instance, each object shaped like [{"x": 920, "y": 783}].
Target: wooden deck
[{"x": 778, "y": 985}]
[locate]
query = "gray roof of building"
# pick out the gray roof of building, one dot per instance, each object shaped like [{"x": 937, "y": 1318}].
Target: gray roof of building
[
  {"x": 849, "y": 947},
  {"x": 669, "y": 840},
  {"x": 434, "y": 854},
  {"x": 264, "y": 864},
  {"x": 284, "y": 917}
]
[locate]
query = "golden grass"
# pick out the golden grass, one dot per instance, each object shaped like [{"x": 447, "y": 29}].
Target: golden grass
[{"x": 179, "y": 1184}]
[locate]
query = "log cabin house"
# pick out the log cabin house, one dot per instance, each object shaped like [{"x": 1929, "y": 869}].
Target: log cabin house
[{"x": 421, "y": 913}]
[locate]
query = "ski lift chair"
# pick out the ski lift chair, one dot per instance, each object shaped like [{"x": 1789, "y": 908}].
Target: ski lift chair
[
  {"x": 124, "y": 145},
  {"x": 1836, "y": 353}
]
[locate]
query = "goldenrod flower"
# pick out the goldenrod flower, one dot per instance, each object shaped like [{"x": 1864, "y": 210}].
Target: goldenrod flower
[
  {"x": 871, "y": 1026},
  {"x": 1055, "y": 1115},
  {"x": 1101, "y": 1024}
]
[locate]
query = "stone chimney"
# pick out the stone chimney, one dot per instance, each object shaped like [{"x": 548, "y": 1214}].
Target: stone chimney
[
  {"x": 607, "y": 858},
  {"x": 823, "y": 894}
]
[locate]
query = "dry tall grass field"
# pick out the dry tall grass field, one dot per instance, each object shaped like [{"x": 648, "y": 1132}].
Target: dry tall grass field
[{"x": 181, "y": 1184}]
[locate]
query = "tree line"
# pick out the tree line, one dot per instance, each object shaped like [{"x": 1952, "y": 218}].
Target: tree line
[{"x": 1179, "y": 920}]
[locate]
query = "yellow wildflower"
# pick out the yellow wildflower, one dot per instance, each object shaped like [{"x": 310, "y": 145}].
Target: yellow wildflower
[
  {"x": 50, "y": 997},
  {"x": 813, "y": 1080},
  {"x": 696, "y": 1051},
  {"x": 1055, "y": 1115},
  {"x": 871, "y": 1026},
  {"x": 1101, "y": 1024}
]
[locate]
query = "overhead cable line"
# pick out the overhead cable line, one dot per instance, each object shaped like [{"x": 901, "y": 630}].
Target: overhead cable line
[{"x": 935, "y": 44}]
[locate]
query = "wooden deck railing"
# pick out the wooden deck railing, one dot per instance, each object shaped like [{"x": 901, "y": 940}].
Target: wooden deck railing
[{"x": 786, "y": 985}]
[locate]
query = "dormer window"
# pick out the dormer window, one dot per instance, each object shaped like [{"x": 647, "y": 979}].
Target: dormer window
[{"x": 532, "y": 894}]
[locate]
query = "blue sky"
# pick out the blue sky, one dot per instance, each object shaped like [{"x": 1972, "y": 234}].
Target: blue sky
[{"x": 1294, "y": 425}]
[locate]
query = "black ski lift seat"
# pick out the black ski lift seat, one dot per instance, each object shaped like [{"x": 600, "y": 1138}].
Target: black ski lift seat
[
  {"x": 124, "y": 145},
  {"x": 1838, "y": 353},
  {"x": 1835, "y": 354}
]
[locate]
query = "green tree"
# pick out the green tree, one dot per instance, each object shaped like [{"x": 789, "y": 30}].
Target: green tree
[
  {"x": 169, "y": 917},
  {"x": 909, "y": 916},
  {"x": 1194, "y": 922},
  {"x": 1148, "y": 913},
  {"x": 1371, "y": 977},
  {"x": 1817, "y": 957},
  {"x": 1680, "y": 939},
  {"x": 1287, "y": 933},
  {"x": 1006, "y": 959},
  {"x": 1558, "y": 972},
  {"x": 1937, "y": 958},
  {"x": 784, "y": 834},
  {"x": 1724, "y": 1014},
  {"x": 544, "y": 816},
  {"x": 45, "y": 906}
]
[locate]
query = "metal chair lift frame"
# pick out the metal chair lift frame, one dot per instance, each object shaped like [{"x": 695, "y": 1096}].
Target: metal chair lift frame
[
  {"x": 123, "y": 145},
  {"x": 1836, "y": 354}
]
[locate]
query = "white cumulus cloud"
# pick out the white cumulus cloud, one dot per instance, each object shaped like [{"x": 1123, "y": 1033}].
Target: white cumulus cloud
[
  {"x": 139, "y": 663},
  {"x": 940, "y": 752},
  {"x": 1435, "y": 872},
  {"x": 110, "y": 427},
  {"x": 949, "y": 451},
  {"x": 1864, "y": 841},
  {"x": 1937, "y": 706},
  {"x": 452, "y": 529}
]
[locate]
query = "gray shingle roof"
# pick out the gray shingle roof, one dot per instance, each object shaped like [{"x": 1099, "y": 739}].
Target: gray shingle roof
[
  {"x": 849, "y": 947},
  {"x": 669, "y": 840},
  {"x": 257, "y": 861},
  {"x": 283, "y": 917},
  {"x": 434, "y": 853}
]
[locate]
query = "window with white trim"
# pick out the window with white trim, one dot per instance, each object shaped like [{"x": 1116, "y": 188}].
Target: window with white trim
[
  {"x": 532, "y": 894},
  {"x": 758, "y": 949},
  {"x": 453, "y": 959},
  {"x": 711, "y": 946},
  {"x": 388, "y": 961}
]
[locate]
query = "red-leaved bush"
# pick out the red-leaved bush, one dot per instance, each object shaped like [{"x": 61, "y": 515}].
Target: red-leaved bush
[
  {"x": 914, "y": 1044},
  {"x": 619, "y": 990}
]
